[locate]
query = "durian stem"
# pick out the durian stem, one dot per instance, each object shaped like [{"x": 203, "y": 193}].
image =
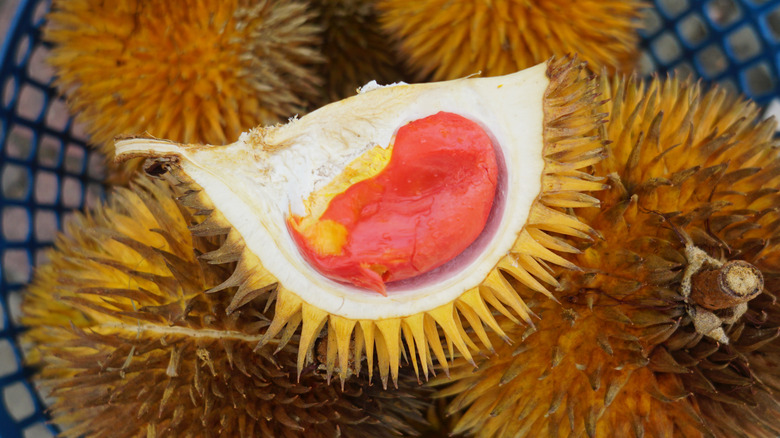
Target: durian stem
[{"x": 735, "y": 282}]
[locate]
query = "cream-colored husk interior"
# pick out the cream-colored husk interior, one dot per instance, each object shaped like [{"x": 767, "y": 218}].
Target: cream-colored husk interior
[{"x": 256, "y": 182}]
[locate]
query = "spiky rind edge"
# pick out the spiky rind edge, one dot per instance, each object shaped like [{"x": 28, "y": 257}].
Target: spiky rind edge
[{"x": 572, "y": 142}]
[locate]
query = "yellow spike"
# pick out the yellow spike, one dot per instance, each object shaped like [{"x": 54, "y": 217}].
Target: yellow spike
[
  {"x": 410, "y": 344},
  {"x": 434, "y": 341},
  {"x": 342, "y": 329},
  {"x": 289, "y": 331},
  {"x": 526, "y": 244},
  {"x": 493, "y": 300},
  {"x": 469, "y": 343},
  {"x": 570, "y": 200},
  {"x": 506, "y": 293},
  {"x": 476, "y": 303},
  {"x": 553, "y": 182},
  {"x": 415, "y": 323},
  {"x": 359, "y": 344},
  {"x": 511, "y": 264},
  {"x": 382, "y": 358},
  {"x": 313, "y": 321},
  {"x": 538, "y": 271},
  {"x": 551, "y": 242},
  {"x": 445, "y": 316},
  {"x": 476, "y": 324},
  {"x": 553, "y": 220},
  {"x": 330, "y": 355},
  {"x": 390, "y": 329},
  {"x": 287, "y": 305},
  {"x": 367, "y": 328}
]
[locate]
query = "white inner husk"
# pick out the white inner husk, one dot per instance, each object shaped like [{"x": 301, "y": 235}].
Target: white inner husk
[{"x": 256, "y": 186}]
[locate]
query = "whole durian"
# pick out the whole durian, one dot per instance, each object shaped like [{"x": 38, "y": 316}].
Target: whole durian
[
  {"x": 671, "y": 326},
  {"x": 194, "y": 70},
  {"x": 355, "y": 48},
  {"x": 448, "y": 39},
  {"x": 128, "y": 342}
]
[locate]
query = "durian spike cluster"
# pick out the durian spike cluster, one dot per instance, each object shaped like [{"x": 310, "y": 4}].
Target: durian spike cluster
[
  {"x": 194, "y": 71},
  {"x": 355, "y": 48},
  {"x": 129, "y": 343},
  {"x": 624, "y": 354},
  {"x": 445, "y": 39},
  {"x": 571, "y": 142}
]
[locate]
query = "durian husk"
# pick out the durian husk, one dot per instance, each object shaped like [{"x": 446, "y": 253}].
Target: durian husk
[
  {"x": 193, "y": 71},
  {"x": 620, "y": 356},
  {"x": 128, "y": 343},
  {"x": 355, "y": 49},
  {"x": 446, "y": 39},
  {"x": 572, "y": 142}
]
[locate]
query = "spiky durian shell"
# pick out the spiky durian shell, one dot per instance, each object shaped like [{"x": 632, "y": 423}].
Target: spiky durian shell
[
  {"x": 355, "y": 49},
  {"x": 130, "y": 345},
  {"x": 195, "y": 71},
  {"x": 570, "y": 141},
  {"x": 620, "y": 356},
  {"x": 449, "y": 39}
]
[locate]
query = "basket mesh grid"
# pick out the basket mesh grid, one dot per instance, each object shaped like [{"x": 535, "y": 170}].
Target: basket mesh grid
[{"x": 46, "y": 170}]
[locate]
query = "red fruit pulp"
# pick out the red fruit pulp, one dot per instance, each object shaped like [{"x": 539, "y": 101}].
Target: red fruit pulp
[{"x": 428, "y": 204}]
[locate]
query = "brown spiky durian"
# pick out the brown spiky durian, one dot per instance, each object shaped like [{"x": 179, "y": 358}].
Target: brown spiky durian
[
  {"x": 355, "y": 49},
  {"x": 194, "y": 71},
  {"x": 447, "y": 39},
  {"x": 645, "y": 343},
  {"x": 542, "y": 125},
  {"x": 129, "y": 344}
]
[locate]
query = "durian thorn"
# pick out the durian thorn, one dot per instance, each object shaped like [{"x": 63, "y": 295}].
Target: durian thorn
[
  {"x": 409, "y": 338},
  {"x": 434, "y": 341},
  {"x": 342, "y": 330},
  {"x": 445, "y": 316},
  {"x": 367, "y": 329},
  {"x": 249, "y": 291},
  {"x": 330, "y": 355},
  {"x": 416, "y": 325},
  {"x": 487, "y": 294},
  {"x": 515, "y": 268},
  {"x": 506, "y": 293},
  {"x": 382, "y": 358},
  {"x": 562, "y": 183},
  {"x": 391, "y": 333},
  {"x": 548, "y": 219},
  {"x": 529, "y": 244},
  {"x": 570, "y": 200},
  {"x": 358, "y": 351},
  {"x": 476, "y": 324},
  {"x": 313, "y": 320},
  {"x": 550, "y": 242},
  {"x": 287, "y": 306},
  {"x": 473, "y": 299},
  {"x": 230, "y": 251},
  {"x": 289, "y": 331}
]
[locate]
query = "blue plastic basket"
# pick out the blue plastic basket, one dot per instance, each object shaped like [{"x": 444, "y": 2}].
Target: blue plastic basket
[{"x": 46, "y": 171}]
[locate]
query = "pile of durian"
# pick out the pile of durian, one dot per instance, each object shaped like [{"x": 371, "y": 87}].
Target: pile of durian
[{"x": 551, "y": 247}]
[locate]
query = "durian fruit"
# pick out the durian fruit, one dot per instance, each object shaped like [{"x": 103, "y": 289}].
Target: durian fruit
[
  {"x": 193, "y": 71},
  {"x": 129, "y": 344},
  {"x": 528, "y": 135},
  {"x": 645, "y": 342},
  {"x": 447, "y": 39},
  {"x": 355, "y": 49}
]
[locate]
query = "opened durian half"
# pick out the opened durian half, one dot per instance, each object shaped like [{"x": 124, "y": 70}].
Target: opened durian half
[{"x": 396, "y": 215}]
